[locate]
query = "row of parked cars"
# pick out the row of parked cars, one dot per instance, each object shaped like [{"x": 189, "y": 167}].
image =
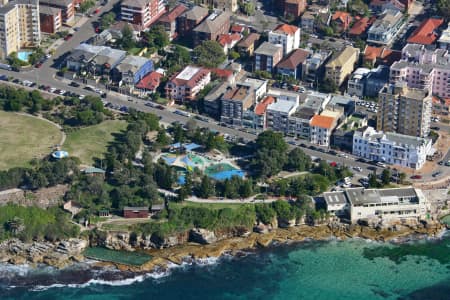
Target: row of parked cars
[{"x": 369, "y": 105}]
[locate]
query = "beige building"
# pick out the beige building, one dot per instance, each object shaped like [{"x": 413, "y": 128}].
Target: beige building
[
  {"x": 404, "y": 110},
  {"x": 19, "y": 26},
  {"x": 342, "y": 65},
  {"x": 228, "y": 5}
]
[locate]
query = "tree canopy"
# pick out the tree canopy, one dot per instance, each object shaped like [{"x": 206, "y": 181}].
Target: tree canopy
[{"x": 209, "y": 54}]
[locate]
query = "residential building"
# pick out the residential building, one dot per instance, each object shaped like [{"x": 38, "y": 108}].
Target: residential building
[
  {"x": 259, "y": 86},
  {"x": 228, "y": 41},
  {"x": 185, "y": 85},
  {"x": 260, "y": 113},
  {"x": 212, "y": 27},
  {"x": 345, "y": 104},
  {"x": 294, "y": 8},
  {"x": 267, "y": 56},
  {"x": 391, "y": 148},
  {"x": 225, "y": 5},
  {"x": 341, "y": 20},
  {"x": 382, "y": 55},
  {"x": 225, "y": 75},
  {"x": 360, "y": 27},
  {"x": 211, "y": 102},
  {"x": 357, "y": 81},
  {"x": 291, "y": 65},
  {"x": 313, "y": 68},
  {"x": 169, "y": 20},
  {"x": 444, "y": 39},
  {"x": 379, "y": 6},
  {"x": 234, "y": 103},
  {"x": 342, "y": 65},
  {"x": 377, "y": 205},
  {"x": 424, "y": 69},
  {"x": 67, "y": 8},
  {"x": 106, "y": 60},
  {"x": 314, "y": 17},
  {"x": 80, "y": 57},
  {"x": 321, "y": 129},
  {"x": 188, "y": 20},
  {"x": 248, "y": 44},
  {"x": 141, "y": 13},
  {"x": 50, "y": 19},
  {"x": 149, "y": 83},
  {"x": 404, "y": 110},
  {"x": 9, "y": 30},
  {"x": 426, "y": 33},
  {"x": 441, "y": 106},
  {"x": 299, "y": 122},
  {"x": 385, "y": 29},
  {"x": 278, "y": 114},
  {"x": 368, "y": 82},
  {"x": 131, "y": 70},
  {"x": 287, "y": 36}
]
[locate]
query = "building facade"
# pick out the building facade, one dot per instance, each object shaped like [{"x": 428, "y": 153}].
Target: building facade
[
  {"x": 212, "y": 27},
  {"x": 235, "y": 102},
  {"x": 287, "y": 36},
  {"x": 267, "y": 56},
  {"x": 141, "y": 13},
  {"x": 50, "y": 19},
  {"x": 342, "y": 65},
  {"x": 385, "y": 29},
  {"x": 185, "y": 85},
  {"x": 67, "y": 8}
]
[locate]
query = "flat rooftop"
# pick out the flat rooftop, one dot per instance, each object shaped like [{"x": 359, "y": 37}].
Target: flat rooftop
[{"x": 188, "y": 73}]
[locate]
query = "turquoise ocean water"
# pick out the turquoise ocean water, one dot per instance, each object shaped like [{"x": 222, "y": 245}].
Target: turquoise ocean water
[{"x": 355, "y": 269}]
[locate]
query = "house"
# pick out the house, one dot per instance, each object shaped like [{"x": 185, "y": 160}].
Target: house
[
  {"x": 441, "y": 106},
  {"x": 188, "y": 20},
  {"x": 426, "y": 33},
  {"x": 239, "y": 29},
  {"x": 225, "y": 75},
  {"x": 247, "y": 45},
  {"x": 185, "y": 85},
  {"x": 391, "y": 148},
  {"x": 382, "y": 55},
  {"x": 359, "y": 28},
  {"x": 141, "y": 13},
  {"x": 106, "y": 60},
  {"x": 288, "y": 36},
  {"x": 80, "y": 57},
  {"x": 379, "y": 6},
  {"x": 342, "y": 65},
  {"x": 367, "y": 82},
  {"x": 260, "y": 120},
  {"x": 341, "y": 20},
  {"x": 315, "y": 17},
  {"x": 131, "y": 70},
  {"x": 234, "y": 103},
  {"x": 291, "y": 65},
  {"x": 313, "y": 68},
  {"x": 169, "y": 20},
  {"x": 321, "y": 129},
  {"x": 228, "y": 41},
  {"x": 294, "y": 8},
  {"x": 149, "y": 83},
  {"x": 212, "y": 27},
  {"x": 267, "y": 56},
  {"x": 50, "y": 19},
  {"x": 386, "y": 28},
  {"x": 377, "y": 205},
  {"x": 67, "y": 8},
  {"x": 135, "y": 212}
]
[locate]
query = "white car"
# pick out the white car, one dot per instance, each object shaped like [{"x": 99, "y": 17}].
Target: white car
[
  {"x": 81, "y": 97},
  {"x": 62, "y": 92},
  {"x": 52, "y": 90},
  {"x": 358, "y": 169}
]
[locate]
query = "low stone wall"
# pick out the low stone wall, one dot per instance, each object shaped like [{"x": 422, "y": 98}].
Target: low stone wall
[{"x": 43, "y": 198}]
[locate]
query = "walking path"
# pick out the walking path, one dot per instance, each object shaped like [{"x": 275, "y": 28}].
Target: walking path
[
  {"x": 63, "y": 134},
  {"x": 231, "y": 201}
]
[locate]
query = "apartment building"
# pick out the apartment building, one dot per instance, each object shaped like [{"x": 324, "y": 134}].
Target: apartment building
[
  {"x": 169, "y": 20},
  {"x": 188, "y": 20},
  {"x": 385, "y": 29},
  {"x": 313, "y": 68},
  {"x": 248, "y": 44},
  {"x": 404, "y": 110},
  {"x": 321, "y": 128},
  {"x": 294, "y": 8},
  {"x": 212, "y": 27},
  {"x": 67, "y": 8},
  {"x": 267, "y": 56},
  {"x": 287, "y": 36},
  {"x": 423, "y": 69},
  {"x": 185, "y": 85},
  {"x": 50, "y": 19},
  {"x": 234, "y": 103},
  {"x": 278, "y": 114},
  {"x": 391, "y": 148},
  {"x": 19, "y": 26},
  {"x": 367, "y": 82},
  {"x": 444, "y": 39},
  {"x": 342, "y": 65},
  {"x": 291, "y": 65},
  {"x": 131, "y": 70},
  {"x": 141, "y": 13}
]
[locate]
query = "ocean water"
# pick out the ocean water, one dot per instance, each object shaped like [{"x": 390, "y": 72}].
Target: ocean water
[{"x": 355, "y": 269}]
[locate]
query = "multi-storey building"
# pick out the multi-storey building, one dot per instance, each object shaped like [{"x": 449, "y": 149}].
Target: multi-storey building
[
  {"x": 342, "y": 65},
  {"x": 234, "y": 103},
  {"x": 287, "y": 36},
  {"x": 141, "y": 13},
  {"x": 294, "y": 8},
  {"x": 292, "y": 64},
  {"x": 188, "y": 20},
  {"x": 19, "y": 26},
  {"x": 185, "y": 85},
  {"x": 67, "y": 8},
  {"x": 50, "y": 19},
  {"x": 404, "y": 110},
  {"x": 278, "y": 114},
  {"x": 212, "y": 27},
  {"x": 321, "y": 129},
  {"x": 423, "y": 69},
  {"x": 391, "y": 148},
  {"x": 313, "y": 68},
  {"x": 365, "y": 82},
  {"x": 267, "y": 56},
  {"x": 169, "y": 20},
  {"x": 386, "y": 28}
]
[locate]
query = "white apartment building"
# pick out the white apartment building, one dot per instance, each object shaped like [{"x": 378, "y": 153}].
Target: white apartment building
[
  {"x": 141, "y": 13},
  {"x": 391, "y": 148},
  {"x": 321, "y": 128},
  {"x": 286, "y": 35},
  {"x": 278, "y": 115}
]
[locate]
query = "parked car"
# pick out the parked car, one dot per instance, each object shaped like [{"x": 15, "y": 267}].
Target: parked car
[
  {"x": 436, "y": 174},
  {"x": 68, "y": 37},
  {"x": 416, "y": 177},
  {"x": 74, "y": 84}
]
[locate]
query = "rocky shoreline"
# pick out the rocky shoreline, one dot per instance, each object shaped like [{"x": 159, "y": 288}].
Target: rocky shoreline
[{"x": 208, "y": 244}]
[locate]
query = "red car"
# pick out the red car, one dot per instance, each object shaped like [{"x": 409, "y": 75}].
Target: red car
[
  {"x": 68, "y": 37},
  {"x": 97, "y": 30},
  {"x": 416, "y": 177},
  {"x": 96, "y": 11},
  {"x": 38, "y": 65}
]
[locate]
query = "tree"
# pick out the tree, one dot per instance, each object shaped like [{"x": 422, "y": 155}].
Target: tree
[
  {"x": 373, "y": 183},
  {"x": 107, "y": 20},
  {"x": 156, "y": 37},
  {"x": 443, "y": 7},
  {"x": 298, "y": 161},
  {"x": 209, "y": 54},
  {"x": 162, "y": 138},
  {"x": 234, "y": 55},
  {"x": 246, "y": 188},
  {"x": 328, "y": 86},
  {"x": 386, "y": 177},
  {"x": 270, "y": 156},
  {"x": 127, "y": 40},
  {"x": 402, "y": 177},
  {"x": 191, "y": 125},
  {"x": 206, "y": 187}
]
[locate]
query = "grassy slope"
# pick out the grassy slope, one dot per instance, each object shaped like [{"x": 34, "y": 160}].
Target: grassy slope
[
  {"x": 23, "y": 138},
  {"x": 90, "y": 142}
]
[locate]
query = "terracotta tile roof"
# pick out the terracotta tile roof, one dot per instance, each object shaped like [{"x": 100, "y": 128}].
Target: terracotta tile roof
[
  {"x": 295, "y": 58},
  {"x": 228, "y": 39},
  {"x": 344, "y": 17},
  {"x": 261, "y": 107},
  {"x": 150, "y": 81},
  {"x": 372, "y": 52},
  {"x": 385, "y": 55},
  {"x": 425, "y": 34},
  {"x": 322, "y": 121},
  {"x": 287, "y": 29},
  {"x": 437, "y": 100},
  {"x": 249, "y": 40},
  {"x": 173, "y": 14},
  {"x": 360, "y": 26},
  {"x": 222, "y": 73},
  {"x": 237, "y": 28}
]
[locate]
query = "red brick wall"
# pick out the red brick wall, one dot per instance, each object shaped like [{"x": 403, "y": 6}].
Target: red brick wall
[{"x": 135, "y": 214}]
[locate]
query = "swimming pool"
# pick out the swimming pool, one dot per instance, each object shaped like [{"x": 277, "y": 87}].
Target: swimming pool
[{"x": 24, "y": 55}]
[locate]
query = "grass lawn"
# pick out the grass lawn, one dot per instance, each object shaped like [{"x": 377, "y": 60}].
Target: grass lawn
[
  {"x": 23, "y": 138},
  {"x": 217, "y": 205},
  {"x": 89, "y": 142}
]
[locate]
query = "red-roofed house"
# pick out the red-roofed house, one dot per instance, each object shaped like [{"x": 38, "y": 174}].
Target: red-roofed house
[
  {"x": 286, "y": 35},
  {"x": 185, "y": 85},
  {"x": 228, "y": 41},
  {"x": 380, "y": 5},
  {"x": 441, "y": 106},
  {"x": 291, "y": 65},
  {"x": 360, "y": 27},
  {"x": 321, "y": 128},
  {"x": 238, "y": 29},
  {"x": 380, "y": 56},
  {"x": 149, "y": 83},
  {"x": 294, "y": 8},
  {"x": 426, "y": 34},
  {"x": 169, "y": 20},
  {"x": 224, "y": 75},
  {"x": 260, "y": 121},
  {"x": 341, "y": 20}
]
